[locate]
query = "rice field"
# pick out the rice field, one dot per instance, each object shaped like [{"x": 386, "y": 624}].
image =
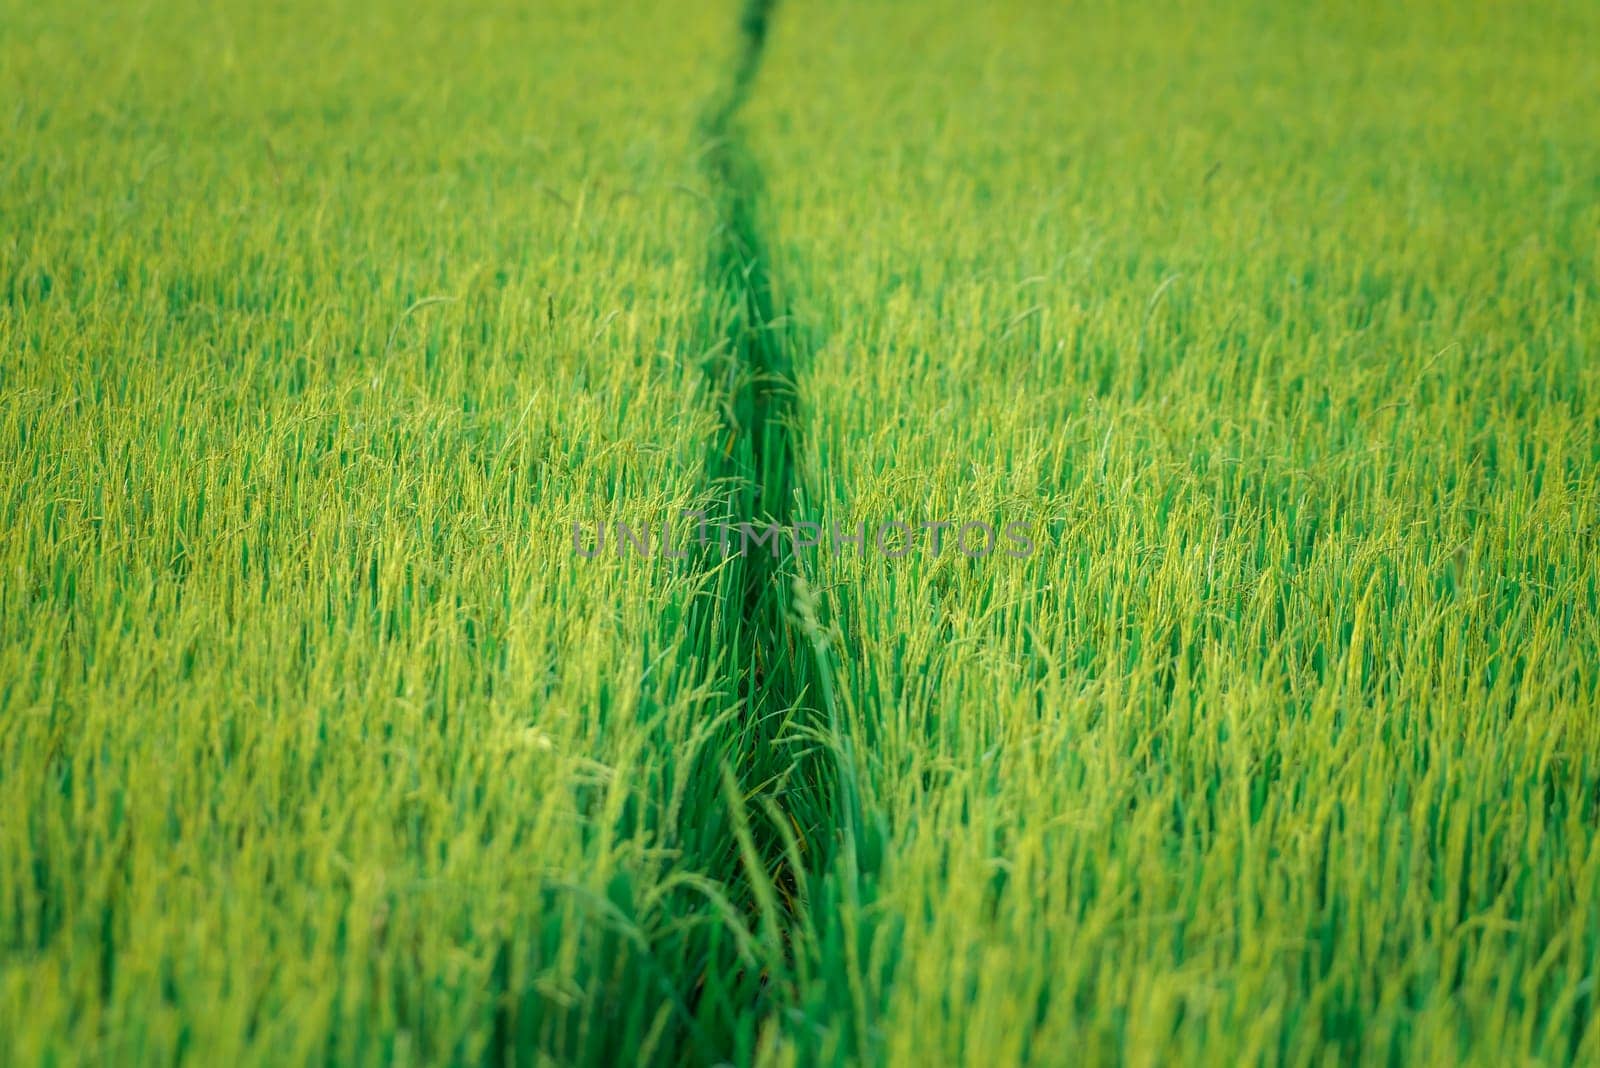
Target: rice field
[{"x": 1152, "y": 465}]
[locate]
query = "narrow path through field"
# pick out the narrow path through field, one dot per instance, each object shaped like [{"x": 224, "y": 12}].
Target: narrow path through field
[{"x": 773, "y": 657}]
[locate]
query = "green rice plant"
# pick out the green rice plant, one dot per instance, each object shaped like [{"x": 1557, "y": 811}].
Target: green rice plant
[
  {"x": 1276, "y": 325},
  {"x": 322, "y": 327},
  {"x": 330, "y": 334}
]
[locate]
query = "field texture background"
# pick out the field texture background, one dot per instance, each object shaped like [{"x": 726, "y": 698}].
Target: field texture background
[{"x": 321, "y": 325}]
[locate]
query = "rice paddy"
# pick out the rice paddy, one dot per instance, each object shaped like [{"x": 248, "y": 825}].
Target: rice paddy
[{"x": 333, "y": 336}]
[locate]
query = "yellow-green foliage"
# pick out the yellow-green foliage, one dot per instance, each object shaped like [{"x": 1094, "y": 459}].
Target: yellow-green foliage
[
  {"x": 322, "y": 323},
  {"x": 1280, "y": 326}
]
